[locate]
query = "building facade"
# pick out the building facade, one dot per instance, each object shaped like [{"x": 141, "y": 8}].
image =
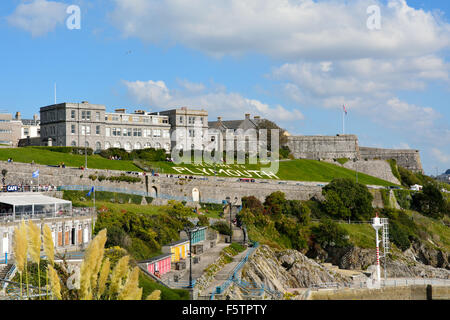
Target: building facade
[
  {"x": 86, "y": 124},
  {"x": 188, "y": 128},
  {"x": 10, "y": 130}
]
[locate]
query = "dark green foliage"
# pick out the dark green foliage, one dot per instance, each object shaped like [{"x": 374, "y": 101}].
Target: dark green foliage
[
  {"x": 348, "y": 200},
  {"x": 284, "y": 152},
  {"x": 430, "y": 202},
  {"x": 404, "y": 198},
  {"x": 299, "y": 210},
  {"x": 115, "y": 152},
  {"x": 402, "y": 229},
  {"x": 274, "y": 203},
  {"x": 148, "y": 154},
  {"x": 75, "y": 196},
  {"x": 125, "y": 178},
  {"x": 142, "y": 234},
  {"x": 408, "y": 178},
  {"x": 253, "y": 204},
  {"x": 203, "y": 221},
  {"x": 72, "y": 150},
  {"x": 329, "y": 234},
  {"x": 222, "y": 227},
  {"x": 394, "y": 169},
  {"x": 385, "y": 196}
]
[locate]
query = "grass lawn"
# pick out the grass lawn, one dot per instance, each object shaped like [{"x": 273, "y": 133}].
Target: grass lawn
[
  {"x": 45, "y": 157},
  {"x": 297, "y": 170},
  {"x": 361, "y": 235}
]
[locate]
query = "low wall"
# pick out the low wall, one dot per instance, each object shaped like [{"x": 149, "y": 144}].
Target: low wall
[{"x": 417, "y": 292}]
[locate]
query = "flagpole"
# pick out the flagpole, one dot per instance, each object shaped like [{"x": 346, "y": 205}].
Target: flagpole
[{"x": 343, "y": 122}]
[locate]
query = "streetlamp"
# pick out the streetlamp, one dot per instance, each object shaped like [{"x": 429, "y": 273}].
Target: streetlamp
[
  {"x": 189, "y": 231},
  {"x": 228, "y": 200}
]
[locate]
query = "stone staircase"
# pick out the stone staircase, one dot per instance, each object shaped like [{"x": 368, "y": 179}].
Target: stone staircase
[{"x": 4, "y": 269}]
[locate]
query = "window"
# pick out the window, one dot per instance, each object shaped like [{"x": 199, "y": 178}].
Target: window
[
  {"x": 107, "y": 145},
  {"x": 97, "y": 116},
  {"x": 97, "y": 130},
  {"x": 191, "y": 120},
  {"x": 147, "y": 145},
  {"x": 73, "y": 129},
  {"x": 72, "y": 114},
  {"x": 157, "y": 145},
  {"x": 127, "y": 146},
  {"x": 157, "y": 133},
  {"x": 86, "y": 143},
  {"x": 114, "y": 132},
  {"x": 191, "y": 133},
  {"x": 213, "y": 138},
  {"x": 117, "y": 145},
  {"x": 167, "y": 146},
  {"x": 155, "y": 120},
  {"x": 181, "y": 119},
  {"x": 108, "y": 132},
  {"x": 83, "y": 115},
  {"x": 88, "y": 115},
  {"x": 98, "y": 146},
  {"x": 124, "y": 132},
  {"x": 166, "y": 134},
  {"x": 135, "y": 119},
  {"x": 137, "y": 132},
  {"x": 137, "y": 146},
  {"x": 115, "y": 118},
  {"x": 26, "y": 131},
  {"x": 74, "y": 143},
  {"x": 129, "y": 133}
]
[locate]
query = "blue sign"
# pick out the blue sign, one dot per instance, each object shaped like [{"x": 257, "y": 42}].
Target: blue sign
[{"x": 12, "y": 188}]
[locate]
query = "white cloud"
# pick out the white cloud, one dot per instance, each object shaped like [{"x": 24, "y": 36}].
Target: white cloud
[
  {"x": 441, "y": 156},
  {"x": 38, "y": 17},
  {"x": 293, "y": 29},
  {"x": 217, "y": 101}
]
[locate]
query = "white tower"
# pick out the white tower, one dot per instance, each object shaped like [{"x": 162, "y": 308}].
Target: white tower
[{"x": 377, "y": 225}]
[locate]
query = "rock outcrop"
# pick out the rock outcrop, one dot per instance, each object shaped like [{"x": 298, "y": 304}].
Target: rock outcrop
[{"x": 285, "y": 269}]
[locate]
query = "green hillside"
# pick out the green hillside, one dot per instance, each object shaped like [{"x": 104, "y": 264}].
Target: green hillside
[{"x": 297, "y": 170}]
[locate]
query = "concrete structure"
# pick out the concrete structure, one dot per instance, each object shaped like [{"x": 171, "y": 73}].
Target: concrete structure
[
  {"x": 188, "y": 128},
  {"x": 71, "y": 228},
  {"x": 80, "y": 124}
]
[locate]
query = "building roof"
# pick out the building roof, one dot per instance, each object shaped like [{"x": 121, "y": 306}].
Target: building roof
[
  {"x": 25, "y": 198},
  {"x": 234, "y": 124},
  {"x": 175, "y": 243},
  {"x": 157, "y": 258}
]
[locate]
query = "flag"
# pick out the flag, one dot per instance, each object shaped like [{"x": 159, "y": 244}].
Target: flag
[
  {"x": 345, "y": 110},
  {"x": 35, "y": 174},
  {"x": 90, "y": 191}
]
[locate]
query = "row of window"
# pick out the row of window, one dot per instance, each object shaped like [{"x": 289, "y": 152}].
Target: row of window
[
  {"x": 136, "y": 132},
  {"x": 127, "y": 145}
]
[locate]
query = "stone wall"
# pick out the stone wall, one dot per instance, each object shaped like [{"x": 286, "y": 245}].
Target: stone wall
[
  {"x": 323, "y": 147},
  {"x": 214, "y": 189},
  {"x": 346, "y": 146},
  {"x": 409, "y": 159},
  {"x": 376, "y": 168}
]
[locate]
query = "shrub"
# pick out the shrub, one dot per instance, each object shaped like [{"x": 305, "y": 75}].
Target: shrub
[
  {"x": 330, "y": 234},
  {"x": 222, "y": 227}
]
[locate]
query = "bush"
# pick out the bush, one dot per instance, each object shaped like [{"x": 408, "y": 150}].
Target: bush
[
  {"x": 407, "y": 177},
  {"x": 284, "y": 152},
  {"x": 403, "y": 198},
  {"x": 430, "y": 202},
  {"x": 203, "y": 221},
  {"x": 330, "y": 234},
  {"x": 222, "y": 227},
  {"x": 350, "y": 199}
]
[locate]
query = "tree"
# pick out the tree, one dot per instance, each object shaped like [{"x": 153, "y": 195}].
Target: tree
[
  {"x": 354, "y": 198},
  {"x": 430, "y": 202},
  {"x": 275, "y": 203},
  {"x": 329, "y": 234},
  {"x": 269, "y": 125}
]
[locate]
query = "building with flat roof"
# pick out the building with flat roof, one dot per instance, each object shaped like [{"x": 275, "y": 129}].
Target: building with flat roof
[
  {"x": 188, "y": 128},
  {"x": 10, "y": 130},
  {"x": 86, "y": 124},
  {"x": 71, "y": 227}
]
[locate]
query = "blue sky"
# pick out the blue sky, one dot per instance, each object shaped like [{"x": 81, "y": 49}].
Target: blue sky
[{"x": 293, "y": 61}]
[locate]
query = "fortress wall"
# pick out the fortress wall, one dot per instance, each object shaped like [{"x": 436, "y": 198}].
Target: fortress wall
[
  {"x": 323, "y": 147},
  {"x": 376, "y": 168},
  {"x": 409, "y": 159},
  {"x": 216, "y": 188}
]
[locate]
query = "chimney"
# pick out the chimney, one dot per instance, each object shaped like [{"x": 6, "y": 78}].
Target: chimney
[
  {"x": 17, "y": 115},
  {"x": 247, "y": 116}
]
